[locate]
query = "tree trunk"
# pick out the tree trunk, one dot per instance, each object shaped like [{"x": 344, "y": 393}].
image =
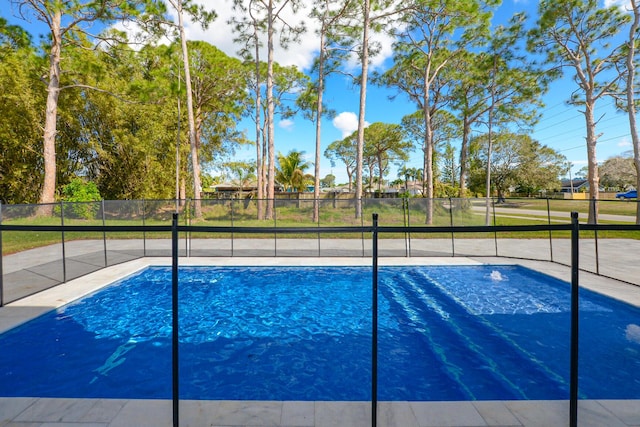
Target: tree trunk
[
  {"x": 464, "y": 151},
  {"x": 270, "y": 113},
  {"x": 592, "y": 158},
  {"x": 487, "y": 215},
  {"x": 48, "y": 192},
  {"x": 316, "y": 186},
  {"x": 428, "y": 183},
  {"x": 363, "y": 100},
  {"x": 379, "y": 174},
  {"x": 178, "y": 139},
  {"x": 183, "y": 191},
  {"x": 259, "y": 161},
  {"x": 631, "y": 107},
  {"x": 264, "y": 159},
  {"x": 192, "y": 125},
  {"x": 427, "y": 175}
]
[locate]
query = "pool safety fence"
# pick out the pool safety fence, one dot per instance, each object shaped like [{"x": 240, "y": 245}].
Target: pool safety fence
[
  {"x": 374, "y": 232},
  {"x": 45, "y": 245}
]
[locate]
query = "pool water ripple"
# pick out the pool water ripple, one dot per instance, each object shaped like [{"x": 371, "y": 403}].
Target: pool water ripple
[{"x": 304, "y": 333}]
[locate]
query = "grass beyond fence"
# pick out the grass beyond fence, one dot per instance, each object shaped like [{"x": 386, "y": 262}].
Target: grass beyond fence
[{"x": 299, "y": 213}]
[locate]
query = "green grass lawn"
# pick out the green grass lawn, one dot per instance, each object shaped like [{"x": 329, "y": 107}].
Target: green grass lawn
[
  {"x": 296, "y": 214},
  {"x": 613, "y": 207}
]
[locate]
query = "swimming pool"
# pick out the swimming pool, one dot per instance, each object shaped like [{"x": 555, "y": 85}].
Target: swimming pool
[{"x": 304, "y": 333}]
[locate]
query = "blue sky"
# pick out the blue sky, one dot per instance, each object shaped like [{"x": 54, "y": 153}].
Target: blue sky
[{"x": 561, "y": 127}]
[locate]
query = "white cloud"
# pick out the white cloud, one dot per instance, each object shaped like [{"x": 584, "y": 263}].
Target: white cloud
[
  {"x": 300, "y": 54},
  {"x": 347, "y": 123},
  {"x": 624, "y": 143},
  {"x": 286, "y": 124},
  {"x": 622, "y": 4},
  {"x": 220, "y": 34},
  {"x": 385, "y": 51}
]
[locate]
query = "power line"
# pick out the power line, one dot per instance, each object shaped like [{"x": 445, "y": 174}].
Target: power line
[
  {"x": 571, "y": 148},
  {"x": 612, "y": 138},
  {"x": 607, "y": 106},
  {"x": 598, "y": 142},
  {"x": 555, "y": 124},
  {"x": 580, "y": 129},
  {"x": 554, "y": 106}
]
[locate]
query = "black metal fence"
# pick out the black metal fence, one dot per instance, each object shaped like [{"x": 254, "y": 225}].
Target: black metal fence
[
  {"x": 119, "y": 240},
  {"x": 573, "y": 228},
  {"x": 36, "y": 259}
]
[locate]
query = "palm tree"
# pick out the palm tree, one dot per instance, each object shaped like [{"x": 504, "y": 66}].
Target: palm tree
[
  {"x": 290, "y": 170},
  {"x": 410, "y": 174},
  {"x": 242, "y": 173}
]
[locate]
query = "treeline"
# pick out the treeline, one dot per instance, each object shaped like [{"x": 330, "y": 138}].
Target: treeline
[
  {"x": 121, "y": 127},
  {"x": 120, "y": 117}
]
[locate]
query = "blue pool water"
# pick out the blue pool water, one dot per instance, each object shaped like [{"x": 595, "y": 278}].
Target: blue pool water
[{"x": 304, "y": 333}]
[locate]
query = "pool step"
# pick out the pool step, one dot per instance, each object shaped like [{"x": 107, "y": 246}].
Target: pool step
[
  {"x": 484, "y": 338},
  {"x": 460, "y": 356},
  {"x": 430, "y": 353}
]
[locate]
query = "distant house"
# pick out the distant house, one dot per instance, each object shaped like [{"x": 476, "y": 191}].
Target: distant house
[
  {"x": 577, "y": 185},
  {"x": 228, "y": 190},
  {"x": 415, "y": 188},
  {"x": 337, "y": 189}
]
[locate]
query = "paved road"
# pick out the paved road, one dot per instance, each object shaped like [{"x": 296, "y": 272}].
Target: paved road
[{"x": 520, "y": 212}]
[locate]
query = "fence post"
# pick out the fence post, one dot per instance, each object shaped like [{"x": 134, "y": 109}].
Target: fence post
[
  {"x": 453, "y": 239},
  {"x": 317, "y": 203},
  {"x": 232, "y": 235},
  {"x": 275, "y": 225},
  {"x": 104, "y": 235},
  {"x": 64, "y": 257},
  {"x": 550, "y": 235},
  {"x": 404, "y": 224},
  {"x": 409, "y": 225},
  {"x": 144, "y": 233},
  {"x": 595, "y": 235},
  {"x": 174, "y": 318},
  {"x": 187, "y": 221},
  {"x": 359, "y": 207},
  {"x": 573, "y": 380},
  {"x": 495, "y": 233},
  {"x": 374, "y": 325}
]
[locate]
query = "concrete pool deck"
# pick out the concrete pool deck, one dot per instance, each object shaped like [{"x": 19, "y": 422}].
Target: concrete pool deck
[
  {"x": 24, "y": 412},
  {"x": 46, "y": 412}
]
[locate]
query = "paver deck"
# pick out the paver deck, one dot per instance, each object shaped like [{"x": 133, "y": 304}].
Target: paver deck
[{"x": 27, "y": 412}]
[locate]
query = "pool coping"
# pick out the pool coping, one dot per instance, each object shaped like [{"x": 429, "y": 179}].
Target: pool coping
[
  {"x": 158, "y": 413},
  {"x": 47, "y": 412}
]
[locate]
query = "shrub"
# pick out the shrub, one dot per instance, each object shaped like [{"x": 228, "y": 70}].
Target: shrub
[{"x": 81, "y": 193}]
